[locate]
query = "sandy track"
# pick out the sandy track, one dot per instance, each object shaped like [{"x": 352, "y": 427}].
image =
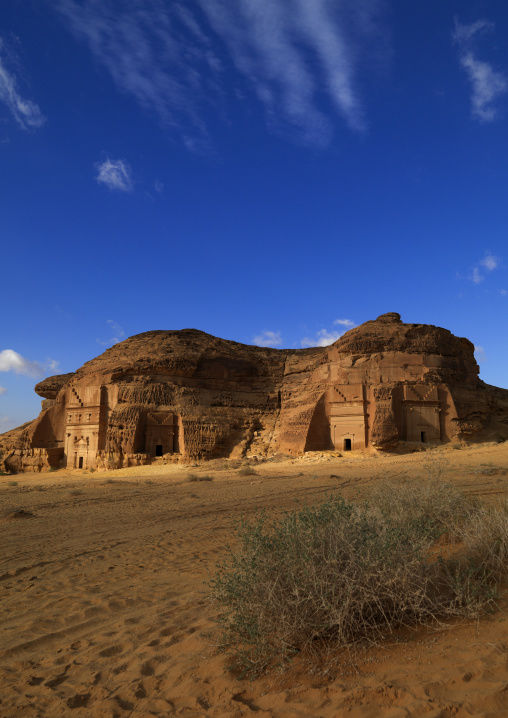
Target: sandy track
[{"x": 104, "y": 608}]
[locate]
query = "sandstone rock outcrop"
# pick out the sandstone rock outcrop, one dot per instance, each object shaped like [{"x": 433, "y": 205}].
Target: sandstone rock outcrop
[{"x": 187, "y": 395}]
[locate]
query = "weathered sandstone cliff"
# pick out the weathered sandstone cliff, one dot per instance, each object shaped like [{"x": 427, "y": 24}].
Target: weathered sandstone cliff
[{"x": 186, "y": 395}]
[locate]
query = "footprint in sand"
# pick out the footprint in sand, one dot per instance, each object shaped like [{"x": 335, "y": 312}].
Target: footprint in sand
[
  {"x": 111, "y": 651},
  {"x": 120, "y": 669},
  {"x": 79, "y": 700},
  {"x": 35, "y": 680},
  {"x": 169, "y": 631},
  {"x": 124, "y": 705},
  {"x": 140, "y": 691},
  {"x": 147, "y": 669},
  {"x": 58, "y": 680}
]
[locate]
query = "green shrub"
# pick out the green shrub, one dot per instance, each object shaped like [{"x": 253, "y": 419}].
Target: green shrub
[{"x": 341, "y": 572}]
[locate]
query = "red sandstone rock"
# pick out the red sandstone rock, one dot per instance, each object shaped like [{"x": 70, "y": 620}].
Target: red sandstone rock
[{"x": 188, "y": 395}]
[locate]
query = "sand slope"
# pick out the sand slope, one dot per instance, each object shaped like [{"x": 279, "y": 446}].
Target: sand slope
[{"x": 104, "y": 608}]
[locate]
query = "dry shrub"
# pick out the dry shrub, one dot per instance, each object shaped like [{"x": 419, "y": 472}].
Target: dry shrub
[
  {"x": 435, "y": 504},
  {"x": 246, "y": 471},
  {"x": 199, "y": 477},
  {"x": 485, "y": 535},
  {"x": 489, "y": 470},
  {"x": 341, "y": 572}
]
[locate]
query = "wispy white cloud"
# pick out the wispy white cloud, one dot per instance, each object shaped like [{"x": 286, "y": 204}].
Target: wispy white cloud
[
  {"x": 503, "y": 292},
  {"x": 11, "y": 360},
  {"x": 52, "y": 365},
  {"x": 463, "y": 34},
  {"x": 293, "y": 54},
  {"x": 154, "y": 51},
  {"x": 347, "y": 323},
  {"x": 115, "y": 174},
  {"x": 489, "y": 262},
  {"x": 325, "y": 337},
  {"x": 476, "y": 277},
  {"x": 300, "y": 58},
  {"x": 2, "y": 389},
  {"x": 487, "y": 84},
  {"x": 116, "y": 330},
  {"x": 480, "y": 355},
  {"x": 25, "y": 112},
  {"x": 268, "y": 339}
]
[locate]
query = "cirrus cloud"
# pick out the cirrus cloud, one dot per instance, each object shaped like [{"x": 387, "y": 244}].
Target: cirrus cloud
[
  {"x": 25, "y": 112},
  {"x": 300, "y": 60},
  {"x": 487, "y": 84},
  {"x": 117, "y": 332},
  {"x": 115, "y": 174}
]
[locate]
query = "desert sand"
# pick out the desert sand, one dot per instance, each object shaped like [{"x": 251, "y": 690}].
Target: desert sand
[{"x": 105, "y": 608}]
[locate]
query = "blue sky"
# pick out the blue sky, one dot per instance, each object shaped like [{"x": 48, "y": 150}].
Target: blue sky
[{"x": 268, "y": 171}]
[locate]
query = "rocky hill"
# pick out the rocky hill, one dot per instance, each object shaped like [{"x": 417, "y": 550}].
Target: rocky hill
[{"x": 186, "y": 395}]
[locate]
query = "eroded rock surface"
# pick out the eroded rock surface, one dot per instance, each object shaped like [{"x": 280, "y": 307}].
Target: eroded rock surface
[{"x": 186, "y": 395}]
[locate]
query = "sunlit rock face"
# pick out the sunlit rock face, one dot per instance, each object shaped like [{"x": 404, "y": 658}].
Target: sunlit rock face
[{"x": 186, "y": 395}]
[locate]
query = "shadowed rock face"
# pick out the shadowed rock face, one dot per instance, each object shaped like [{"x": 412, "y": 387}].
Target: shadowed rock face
[{"x": 186, "y": 395}]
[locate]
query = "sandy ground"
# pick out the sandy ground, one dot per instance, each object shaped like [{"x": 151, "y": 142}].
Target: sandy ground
[{"x": 105, "y": 608}]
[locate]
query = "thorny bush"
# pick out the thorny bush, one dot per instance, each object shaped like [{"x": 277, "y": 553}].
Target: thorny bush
[{"x": 345, "y": 572}]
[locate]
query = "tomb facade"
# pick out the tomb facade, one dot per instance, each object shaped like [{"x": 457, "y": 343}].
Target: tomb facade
[{"x": 185, "y": 395}]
